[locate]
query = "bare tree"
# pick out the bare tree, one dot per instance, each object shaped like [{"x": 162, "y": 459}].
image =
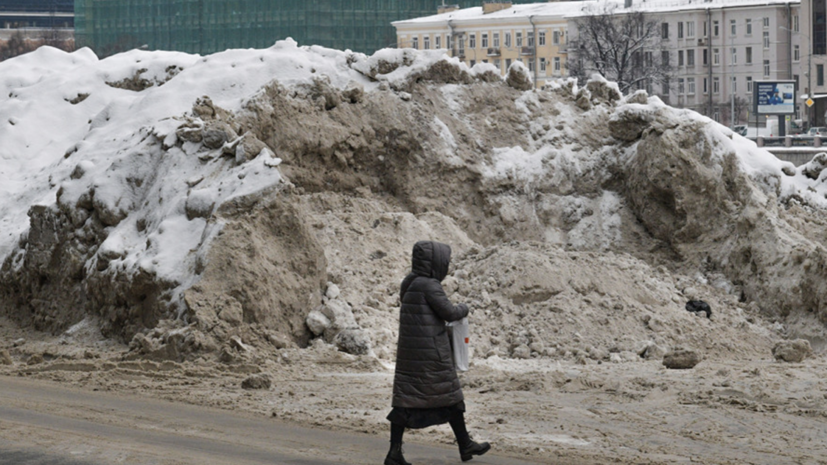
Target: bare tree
[
  {"x": 16, "y": 45},
  {"x": 57, "y": 38},
  {"x": 621, "y": 46},
  {"x": 741, "y": 106}
]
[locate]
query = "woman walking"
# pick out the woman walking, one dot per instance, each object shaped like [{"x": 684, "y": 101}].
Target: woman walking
[{"x": 426, "y": 389}]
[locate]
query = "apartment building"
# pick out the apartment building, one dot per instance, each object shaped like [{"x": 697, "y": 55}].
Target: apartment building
[
  {"x": 719, "y": 48},
  {"x": 716, "y": 48},
  {"x": 498, "y": 33}
]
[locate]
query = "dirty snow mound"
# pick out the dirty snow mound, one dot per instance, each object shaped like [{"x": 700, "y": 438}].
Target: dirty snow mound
[{"x": 207, "y": 205}]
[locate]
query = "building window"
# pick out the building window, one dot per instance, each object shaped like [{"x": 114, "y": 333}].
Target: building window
[
  {"x": 767, "y": 22},
  {"x": 541, "y": 38},
  {"x": 426, "y": 43},
  {"x": 519, "y": 38},
  {"x": 749, "y": 55},
  {"x": 749, "y": 27},
  {"x": 716, "y": 85},
  {"x": 795, "y": 23},
  {"x": 706, "y": 86},
  {"x": 472, "y": 41},
  {"x": 508, "y": 39},
  {"x": 766, "y": 67},
  {"x": 732, "y": 27},
  {"x": 690, "y": 86},
  {"x": 680, "y": 30},
  {"x": 819, "y": 75},
  {"x": 680, "y": 57},
  {"x": 715, "y": 29},
  {"x": 690, "y": 57},
  {"x": 555, "y": 37},
  {"x": 462, "y": 44},
  {"x": 681, "y": 89},
  {"x": 706, "y": 57},
  {"x": 530, "y": 37},
  {"x": 438, "y": 42},
  {"x": 531, "y": 65},
  {"x": 543, "y": 65},
  {"x": 796, "y": 53},
  {"x": 664, "y": 57},
  {"x": 664, "y": 30},
  {"x": 496, "y": 39},
  {"x": 749, "y": 84},
  {"x": 485, "y": 41},
  {"x": 498, "y": 64},
  {"x": 734, "y": 56},
  {"x": 648, "y": 59},
  {"x": 716, "y": 57},
  {"x": 706, "y": 33},
  {"x": 415, "y": 43},
  {"x": 690, "y": 29},
  {"x": 472, "y": 63},
  {"x": 766, "y": 39},
  {"x": 556, "y": 65},
  {"x": 716, "y": 115},
  {"x": 734, "y": 84},
  {"x": 507, "y": 63},
  {"x": 449, "y": 42}
]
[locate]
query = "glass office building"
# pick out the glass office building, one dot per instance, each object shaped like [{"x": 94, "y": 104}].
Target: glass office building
[
  {"x": 44, "y": 14},
  {"x": 207, "y": 26}
]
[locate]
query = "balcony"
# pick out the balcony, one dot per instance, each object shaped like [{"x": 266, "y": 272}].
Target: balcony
[
  {"x": 527, "y": 51},
  {"x": 494, "y": 52}
]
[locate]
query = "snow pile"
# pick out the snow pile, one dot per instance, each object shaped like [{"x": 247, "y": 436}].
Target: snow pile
[
  {"x": 131, "y": 155},
  {"x": 206, "y": 203}
]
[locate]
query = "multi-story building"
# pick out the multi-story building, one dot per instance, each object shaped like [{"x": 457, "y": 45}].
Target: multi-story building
[
  {"x": 717, "y": 49},
  {"x": 498, "y": 33},
  {"x": 35, "y": 19},
  {"x": 207, "y": 26}
]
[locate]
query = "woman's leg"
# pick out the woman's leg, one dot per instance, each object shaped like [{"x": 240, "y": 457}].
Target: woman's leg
[
  {"x": 467, "y": 448},
  {"x": 395, "y": 456},
  {"x": 396, "y": 433},
  {"x": 460, "y": 431}
]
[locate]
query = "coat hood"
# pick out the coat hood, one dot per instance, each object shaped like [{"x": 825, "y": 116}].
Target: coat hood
[{"x": 431, "y": 259}]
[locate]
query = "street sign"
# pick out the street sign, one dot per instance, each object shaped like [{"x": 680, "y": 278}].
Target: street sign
[{"x": 809, "y": 102}]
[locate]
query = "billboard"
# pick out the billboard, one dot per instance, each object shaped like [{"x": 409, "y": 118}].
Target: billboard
[{"x": 774, "y": 97}]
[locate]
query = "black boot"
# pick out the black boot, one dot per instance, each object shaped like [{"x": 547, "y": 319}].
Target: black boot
[
  {"x": 468, "y": 450},
  {"x": 395, "y": 456}
]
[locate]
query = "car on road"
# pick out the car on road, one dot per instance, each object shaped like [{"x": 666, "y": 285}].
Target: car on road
[
  {"x": 740, "y": 129},
  {"x": 817, "y": 131}
]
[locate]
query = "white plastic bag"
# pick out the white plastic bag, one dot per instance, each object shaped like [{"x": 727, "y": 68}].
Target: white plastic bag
[{"x": 460, "y": 337}]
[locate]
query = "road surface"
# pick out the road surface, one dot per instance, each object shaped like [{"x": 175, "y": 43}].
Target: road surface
[{"x": 43, "y": 423}]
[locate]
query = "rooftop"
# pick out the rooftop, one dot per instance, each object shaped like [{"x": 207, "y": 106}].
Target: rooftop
[{"x": 578, "y": 8}]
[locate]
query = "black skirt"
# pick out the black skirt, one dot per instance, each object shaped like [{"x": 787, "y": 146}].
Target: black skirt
[{"x": 416, "y": 418}]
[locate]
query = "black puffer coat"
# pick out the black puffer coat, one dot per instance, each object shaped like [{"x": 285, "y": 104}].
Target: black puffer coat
[{"x": 425, "y": 375}]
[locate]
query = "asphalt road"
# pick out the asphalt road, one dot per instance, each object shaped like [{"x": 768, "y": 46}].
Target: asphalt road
[{"x": 43, "y": 423}]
